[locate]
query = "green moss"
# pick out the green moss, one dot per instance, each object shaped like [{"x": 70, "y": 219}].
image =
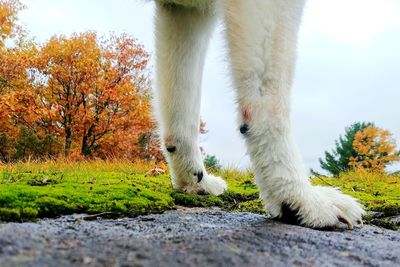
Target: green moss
[
  {"x": 388, "y": 209},
  {"x": 29, "y": 214},
  {"x": 255, "y": 206},
  {"x": 385, "y": 223},
  {"x": 376, "y": 192},
  {"x": 196, "y": 200},
  {"x": 29, "y": 191},
  {"x": 8, "y": 214}
]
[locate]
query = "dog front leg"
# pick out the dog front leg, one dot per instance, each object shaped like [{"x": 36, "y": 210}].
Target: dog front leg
[
  {"x": 262, "y": 39},
  {"x": 181, "y": 43}
]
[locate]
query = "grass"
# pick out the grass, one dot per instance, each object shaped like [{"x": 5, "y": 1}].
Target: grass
[
  {"x": 377, "y": 192},
  {"x": 29, "y": 191}
]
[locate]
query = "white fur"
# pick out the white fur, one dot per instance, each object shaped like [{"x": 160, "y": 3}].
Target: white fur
[{"x": 262, "y": 36}]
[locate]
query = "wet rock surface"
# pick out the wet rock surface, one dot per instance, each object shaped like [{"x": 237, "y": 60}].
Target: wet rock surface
[{"x": 192, "y": 237}]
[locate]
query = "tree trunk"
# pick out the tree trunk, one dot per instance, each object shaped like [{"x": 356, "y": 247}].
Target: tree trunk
[
  {"x": 68, "y": 141},
  {"x": 86, "y": 148}
]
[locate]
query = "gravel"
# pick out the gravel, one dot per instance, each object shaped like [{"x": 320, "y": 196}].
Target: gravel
[{"x": 192, "y": 237}]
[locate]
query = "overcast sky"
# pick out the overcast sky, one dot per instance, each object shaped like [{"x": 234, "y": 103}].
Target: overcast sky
[{"x": 348, "y": 66}]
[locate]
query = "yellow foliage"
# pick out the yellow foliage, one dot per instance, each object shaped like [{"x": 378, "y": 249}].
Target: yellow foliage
[
  {"x": 8, "y": 17},
  {"x": 375, "y": 148}
]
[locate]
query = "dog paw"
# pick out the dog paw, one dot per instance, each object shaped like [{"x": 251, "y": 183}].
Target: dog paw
[
  {"x": 323, "y": 207},
  {"x": 213, "y": 184},
  {"x": 208, "y": 184}
]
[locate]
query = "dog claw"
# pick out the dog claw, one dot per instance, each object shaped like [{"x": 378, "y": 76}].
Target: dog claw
[{"x": 344, "y": 220}]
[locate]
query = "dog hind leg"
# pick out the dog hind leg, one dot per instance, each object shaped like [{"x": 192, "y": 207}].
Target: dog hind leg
[
  {"x": 181, "y": 43},
  {"x": 262, "y": 40}
]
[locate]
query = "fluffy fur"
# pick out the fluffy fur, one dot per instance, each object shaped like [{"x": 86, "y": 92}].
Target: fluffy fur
[{"x": 262, "y": 36}]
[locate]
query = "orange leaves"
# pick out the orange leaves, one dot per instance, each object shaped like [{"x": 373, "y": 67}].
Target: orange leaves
[
  {"x": 13, "y": 68},
  {"x": 16, "y": 102},
  {"x": 91, "y": 94},
  {"x": 99, "y": 91},
  {"x": 8, "y": 17},
  {"x": 375, "y": 149}
]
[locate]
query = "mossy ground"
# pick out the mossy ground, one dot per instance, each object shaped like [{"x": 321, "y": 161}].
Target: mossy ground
[
  {"x": 29, "y": 191},
  {"x": 376, "y": 191}
]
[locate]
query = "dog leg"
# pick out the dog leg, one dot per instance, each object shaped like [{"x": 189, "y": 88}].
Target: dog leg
[
  {"x": 182, "y": 39},
  {"x": 262, "y": 40}
]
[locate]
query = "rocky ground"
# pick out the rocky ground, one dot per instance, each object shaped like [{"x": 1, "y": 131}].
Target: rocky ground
[{"x": 192, "y": 237}]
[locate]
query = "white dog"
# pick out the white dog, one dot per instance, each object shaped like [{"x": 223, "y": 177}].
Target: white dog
[{"x": 262, "y": 37}]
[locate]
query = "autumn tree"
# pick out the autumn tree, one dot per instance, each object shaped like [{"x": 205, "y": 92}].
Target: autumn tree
[
  {"x": 375, "y": 149},
  {"x": 338, "y": 160},
  {"x": 96, "y": 92},
  {"x": 120, "y": 101},
  {"x": 87, "y": 93},
  {"x": 16, "y": 98},
  {"x": 11, "y": 68}
]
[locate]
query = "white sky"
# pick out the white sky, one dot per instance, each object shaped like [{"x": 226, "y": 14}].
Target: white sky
[{"x": 348, "y": 68}]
